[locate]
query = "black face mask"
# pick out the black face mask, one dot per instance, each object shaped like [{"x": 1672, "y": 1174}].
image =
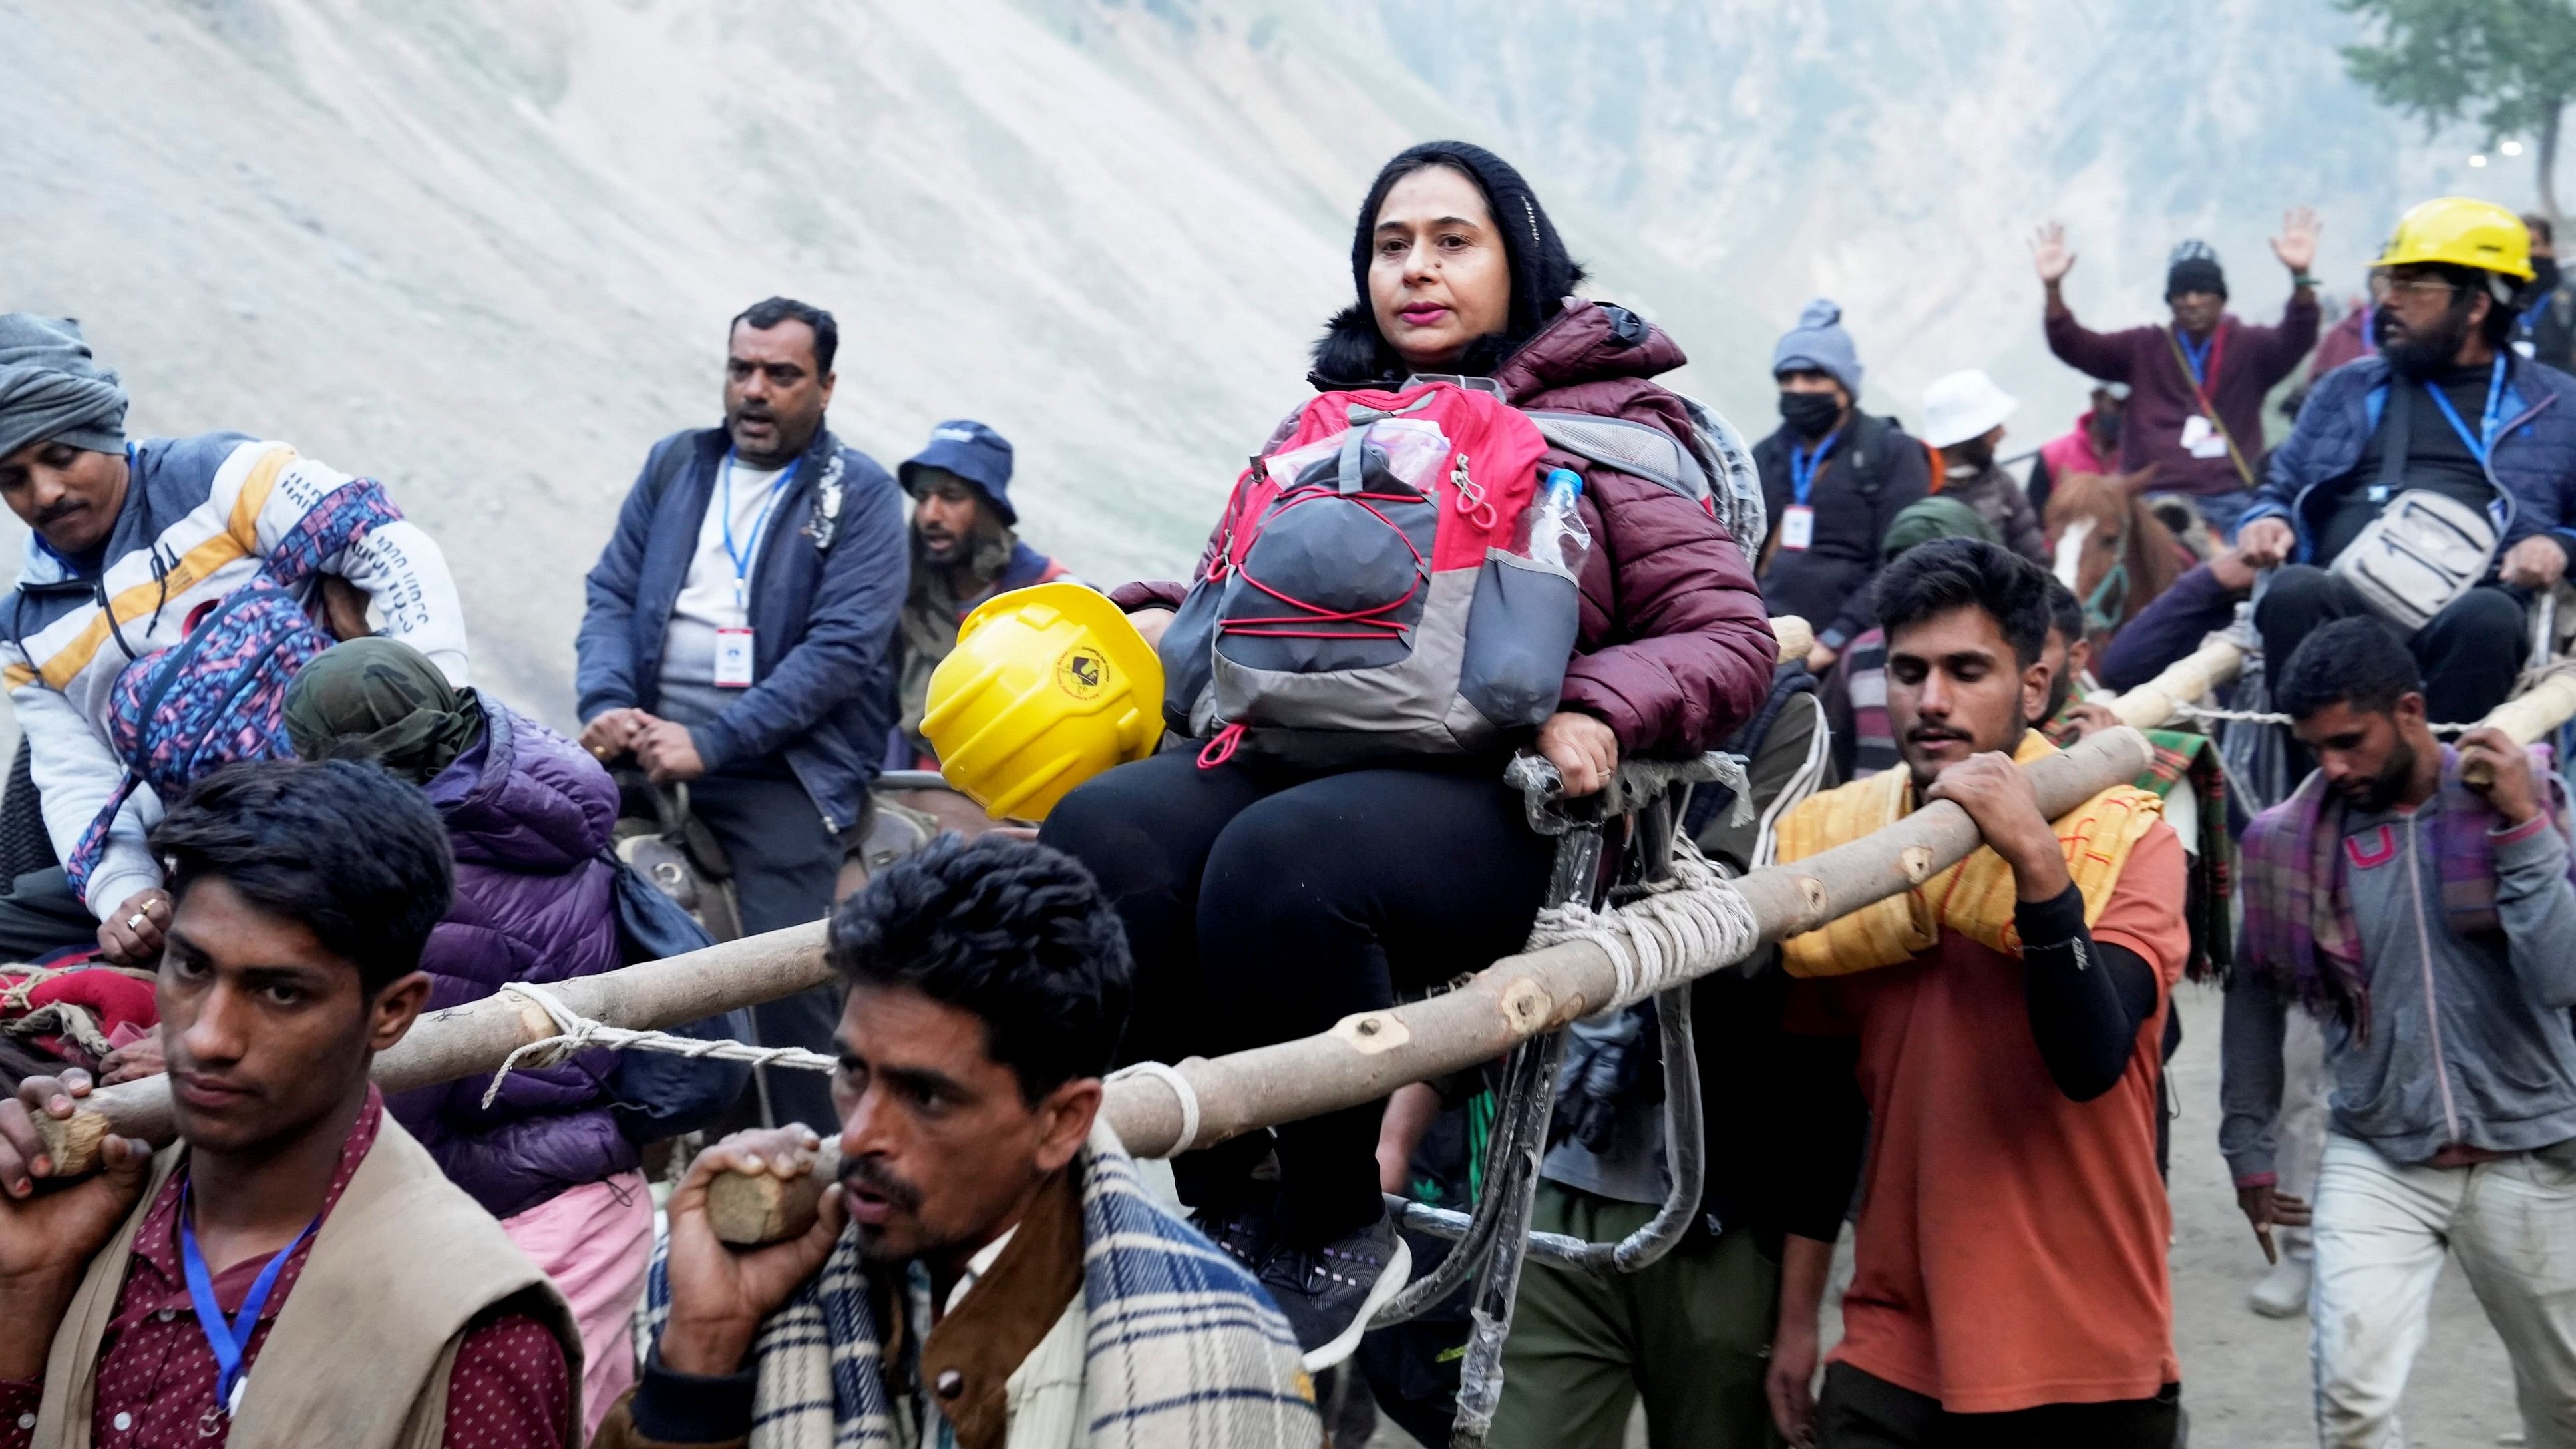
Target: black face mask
[
  {"x": 2106, "y": 426},
  {"x": 2544, "y": 277},
  {"x": 1810, "y": 414}
]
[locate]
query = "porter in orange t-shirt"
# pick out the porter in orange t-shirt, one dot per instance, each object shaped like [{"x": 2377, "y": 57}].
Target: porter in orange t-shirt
[{"x": 2011, "y": 1246}]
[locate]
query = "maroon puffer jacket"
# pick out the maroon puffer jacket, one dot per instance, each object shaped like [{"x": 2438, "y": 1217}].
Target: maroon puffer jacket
[{"x": 1676, "y": 649}]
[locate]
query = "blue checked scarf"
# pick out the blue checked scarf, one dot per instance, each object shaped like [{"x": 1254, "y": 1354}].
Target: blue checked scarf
[{"x": 1182, "y": 1347}]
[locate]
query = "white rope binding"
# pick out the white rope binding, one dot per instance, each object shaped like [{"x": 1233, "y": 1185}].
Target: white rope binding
[
  {"x": 1187, "y": 1095},
  {"x": 1685, "y": 926},
  {"x": 576, "y": 1032},
  {"x": 2211, "y": 713}
]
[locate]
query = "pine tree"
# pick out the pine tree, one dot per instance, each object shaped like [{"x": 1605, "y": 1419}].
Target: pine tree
[{"x": 2510, "y": 62}]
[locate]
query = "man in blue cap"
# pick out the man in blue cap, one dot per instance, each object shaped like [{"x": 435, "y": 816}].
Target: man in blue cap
[
  {"x": 964, "y": 551},
  {"x": 1835, "y": 479}
]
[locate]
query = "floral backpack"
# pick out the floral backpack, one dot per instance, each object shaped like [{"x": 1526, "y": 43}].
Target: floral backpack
[{"x": 218, "y": 696}]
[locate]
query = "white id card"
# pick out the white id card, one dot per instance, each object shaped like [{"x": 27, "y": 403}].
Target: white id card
[
  {"x": 2201, "y": 440},
  {"x": 733, "y": 658},
  {"x": 1798, "y": 527}
]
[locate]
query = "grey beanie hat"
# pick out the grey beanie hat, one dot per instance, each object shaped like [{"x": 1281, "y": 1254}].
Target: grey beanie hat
[
  {"x": 1819, "y": 344},
  {"x": 51, "y": 388}
]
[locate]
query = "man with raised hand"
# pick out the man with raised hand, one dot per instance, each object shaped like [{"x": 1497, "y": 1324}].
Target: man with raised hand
[{"x": 2197, "y": 382}]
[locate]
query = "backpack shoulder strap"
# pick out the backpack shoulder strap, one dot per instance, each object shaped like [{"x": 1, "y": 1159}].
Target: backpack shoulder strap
[
  {"x": 2396, "y": 436},
  {"x": 676, "y": 458},
  {"x": 1868, "y": 456},
  {"x": 1638, "y": 449}
]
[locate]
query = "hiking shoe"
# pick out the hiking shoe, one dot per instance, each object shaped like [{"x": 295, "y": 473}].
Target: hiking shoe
[
  {"x": 2283, "y": 1292},
  {"x": 1247, "y": 1229},
  {"x": 1330, "y": 1293}
]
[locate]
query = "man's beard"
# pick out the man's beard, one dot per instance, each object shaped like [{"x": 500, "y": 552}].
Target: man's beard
[
  {"x": 948, "y": 555},
  {"x": 2059, "y": 689},
  {"x": 2416, "y": 358},
  {"x": 2382, "y": 789}
]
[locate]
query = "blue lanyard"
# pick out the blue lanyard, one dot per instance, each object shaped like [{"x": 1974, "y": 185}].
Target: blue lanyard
[
  {"x": 744, "y": 558},
  {"x": 2197, "y": 357},
  {"x": 2484, "y": 442},
  {"x": 1804, "y": 465},
  {"x": 229, "y": 1339}
]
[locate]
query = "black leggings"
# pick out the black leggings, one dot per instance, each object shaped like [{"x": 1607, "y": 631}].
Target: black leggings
[
  {"x": 2470, "y": 652},
  {"x": 1264, "y": 904}
]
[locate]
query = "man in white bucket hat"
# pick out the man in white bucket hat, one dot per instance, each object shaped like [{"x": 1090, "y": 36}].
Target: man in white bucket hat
[{"x": 1963, "y": 417}]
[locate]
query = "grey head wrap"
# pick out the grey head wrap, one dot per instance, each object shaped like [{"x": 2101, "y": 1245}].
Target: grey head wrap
[{"x": 51, "y": 388}]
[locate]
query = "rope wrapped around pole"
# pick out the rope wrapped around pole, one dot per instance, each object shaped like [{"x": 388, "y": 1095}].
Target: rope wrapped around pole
[{"x": 1361, "y": 1059}]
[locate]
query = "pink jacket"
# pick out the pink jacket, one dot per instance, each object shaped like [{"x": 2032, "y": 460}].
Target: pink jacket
[
  {"x": 2072, "y": 451},
  {"x": 1675, "y": 649}
]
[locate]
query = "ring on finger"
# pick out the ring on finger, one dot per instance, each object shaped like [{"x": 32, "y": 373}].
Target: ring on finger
[{"x": 136, "y": 921}]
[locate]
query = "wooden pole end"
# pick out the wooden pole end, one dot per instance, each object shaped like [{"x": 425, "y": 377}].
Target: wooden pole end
[
  {"x": 1795, "y": 634},
  {"x": 73, "y": 1142},
  {"x": 748, "y": 1211}
]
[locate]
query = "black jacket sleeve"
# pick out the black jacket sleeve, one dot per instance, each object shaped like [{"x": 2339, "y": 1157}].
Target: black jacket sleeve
[
  {"x": 2087, "y": 1000},
  {"x": 1824, "y": 1131},
  {"x": 671, "y": 1407}
]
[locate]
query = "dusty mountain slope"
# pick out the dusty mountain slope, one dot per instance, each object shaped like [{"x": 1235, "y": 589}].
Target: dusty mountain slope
[{"x": 485, "y": 248}]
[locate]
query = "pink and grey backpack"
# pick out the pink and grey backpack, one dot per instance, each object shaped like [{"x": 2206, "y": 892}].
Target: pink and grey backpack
[{"x": 1373, "y": 593}]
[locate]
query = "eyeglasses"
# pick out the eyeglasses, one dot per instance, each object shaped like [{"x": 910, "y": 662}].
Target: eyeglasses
[{"x": 2384, "y": 288}]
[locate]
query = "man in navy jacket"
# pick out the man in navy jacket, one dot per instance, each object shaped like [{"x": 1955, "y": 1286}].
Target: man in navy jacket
[
  {"x": 2468, "y": 418},
  {"x": 737, "y": 639}
]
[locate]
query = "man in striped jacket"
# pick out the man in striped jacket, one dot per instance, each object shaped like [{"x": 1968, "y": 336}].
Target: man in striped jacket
[{"x": 132, "y": 540}]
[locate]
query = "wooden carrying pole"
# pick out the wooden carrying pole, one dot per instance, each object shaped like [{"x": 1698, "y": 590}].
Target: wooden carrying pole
[
  {"x": 475, "y": 1038},
  {"x": 1361, "y": 1059},
  {"x": 465, "y": 1040},
  {"x": 2184, "y": 681},
  {"x": 2528, "y": 719}
]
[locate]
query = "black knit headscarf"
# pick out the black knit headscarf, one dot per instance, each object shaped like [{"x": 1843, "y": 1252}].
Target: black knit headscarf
[{"x": 1352, "y": 350}]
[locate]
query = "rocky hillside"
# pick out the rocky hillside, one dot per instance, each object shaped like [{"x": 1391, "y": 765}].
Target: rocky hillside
[{"x": 486, "y": 248}]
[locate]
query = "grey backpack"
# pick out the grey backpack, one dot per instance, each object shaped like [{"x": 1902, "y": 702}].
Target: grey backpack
[{"x": 1717, "y": 470}]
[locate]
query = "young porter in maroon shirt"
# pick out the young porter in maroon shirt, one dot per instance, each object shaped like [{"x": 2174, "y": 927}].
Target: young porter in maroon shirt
[{"x": 295, "y": 1269}]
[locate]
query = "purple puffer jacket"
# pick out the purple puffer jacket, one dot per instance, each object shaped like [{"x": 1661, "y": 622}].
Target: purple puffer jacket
[{"x": 529, "y": 815}]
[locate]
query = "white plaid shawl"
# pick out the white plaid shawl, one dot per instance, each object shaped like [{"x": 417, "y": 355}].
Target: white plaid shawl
[{"x": 1183, "y": 1348}]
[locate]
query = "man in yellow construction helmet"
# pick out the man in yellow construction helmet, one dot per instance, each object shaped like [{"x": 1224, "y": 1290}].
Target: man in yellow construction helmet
[{"x": 2444, "y": 429}]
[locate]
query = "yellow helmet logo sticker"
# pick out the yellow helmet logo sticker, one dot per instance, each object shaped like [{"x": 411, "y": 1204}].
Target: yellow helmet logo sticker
[{"x": 1082, "y": 672}]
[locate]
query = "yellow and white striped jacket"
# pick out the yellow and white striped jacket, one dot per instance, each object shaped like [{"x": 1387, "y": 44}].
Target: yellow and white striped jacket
[{"x": 200, "y": 516}]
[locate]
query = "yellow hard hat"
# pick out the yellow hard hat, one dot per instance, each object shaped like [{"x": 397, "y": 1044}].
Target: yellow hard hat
[
  {"x": 1047, "y": 687},
  {"x": 2464, "y": 233}
]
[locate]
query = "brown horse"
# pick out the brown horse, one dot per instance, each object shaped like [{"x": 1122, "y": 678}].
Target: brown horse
[{"x": 2110, "y": 546}]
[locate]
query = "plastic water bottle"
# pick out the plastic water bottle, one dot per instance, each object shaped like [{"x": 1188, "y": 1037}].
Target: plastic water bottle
[{"x": 1552, "y": 531}]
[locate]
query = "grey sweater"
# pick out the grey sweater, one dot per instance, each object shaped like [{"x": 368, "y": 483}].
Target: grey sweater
[
  {"x": 2469, "y": 1040},
  {"x": 2001, "y": 500}
]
